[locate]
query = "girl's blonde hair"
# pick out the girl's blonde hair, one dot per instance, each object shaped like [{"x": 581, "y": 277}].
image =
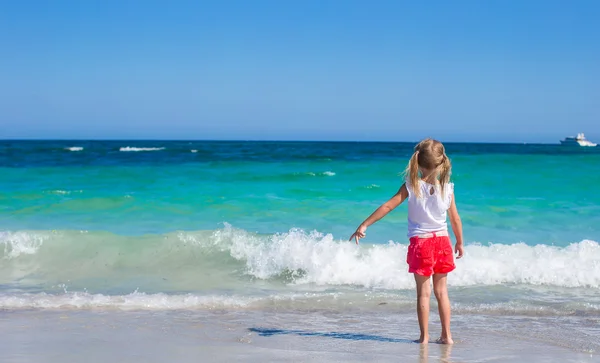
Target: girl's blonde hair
[{"x": 430, "y": 155}]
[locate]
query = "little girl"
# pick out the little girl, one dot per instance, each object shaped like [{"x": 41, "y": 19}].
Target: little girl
[{"x": 430, "y": 196}]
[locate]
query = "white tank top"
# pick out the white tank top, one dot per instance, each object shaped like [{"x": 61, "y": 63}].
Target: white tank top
[{"x": 427, "y": 213}]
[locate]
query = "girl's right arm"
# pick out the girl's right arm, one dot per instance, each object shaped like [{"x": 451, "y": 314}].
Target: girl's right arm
[
  {"x": 381, "y": 212},
  {"x": 456, "y": 227}
]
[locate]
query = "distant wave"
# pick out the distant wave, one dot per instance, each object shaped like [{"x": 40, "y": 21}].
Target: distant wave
[
  {"x": 74, "y": 148},
  {"x": 129, "y": 148},
  {"x": 311, "y": 173},
  {"x": 64, "y": 192}
]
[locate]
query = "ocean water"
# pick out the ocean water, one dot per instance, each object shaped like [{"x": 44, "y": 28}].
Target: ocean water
[{"x": 166, "y": 225}]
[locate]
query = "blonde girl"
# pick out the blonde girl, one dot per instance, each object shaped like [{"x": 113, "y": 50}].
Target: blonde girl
[{"x": 430, "y": 256}]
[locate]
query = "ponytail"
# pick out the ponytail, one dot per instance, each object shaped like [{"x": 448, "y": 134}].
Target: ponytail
[
  {"x": 412, "y": 171},
  {"x": 445, "y": 170}
]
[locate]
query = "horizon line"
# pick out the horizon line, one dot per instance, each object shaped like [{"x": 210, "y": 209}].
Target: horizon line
[{"x": 275, "y": 140}]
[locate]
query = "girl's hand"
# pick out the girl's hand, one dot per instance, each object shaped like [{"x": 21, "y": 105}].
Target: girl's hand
[
  {"x": 360, "y": 233},
  {"x": 458, "y": 248}
]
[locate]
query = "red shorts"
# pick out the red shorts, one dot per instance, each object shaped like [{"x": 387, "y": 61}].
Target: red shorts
[{"x": 427, "y": 256}]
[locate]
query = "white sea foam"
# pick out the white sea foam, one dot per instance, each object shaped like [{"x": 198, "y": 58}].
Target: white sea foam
[
  {"x": 311, "y": 173},
  {"x": 133, "y": 301},
  {"x": 576, "y": 265},
  {"x": 292, "y": 301},
  {"x": 130, "y": 148},
  {"x": 74, "y": 148},
  {"x": 161, "y": 301},
  {"x": 531, "y": 308},
  {"x": 318, "y": 258},
  {"x": 65, "y": 192},
  {"x": 15, "y": 244}
]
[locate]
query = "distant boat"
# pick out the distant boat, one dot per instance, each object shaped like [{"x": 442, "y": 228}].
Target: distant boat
[{"x": 580, "y": 140}]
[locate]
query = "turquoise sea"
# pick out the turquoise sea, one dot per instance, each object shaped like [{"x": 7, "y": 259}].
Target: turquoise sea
[{"x": 170, "y": 225}]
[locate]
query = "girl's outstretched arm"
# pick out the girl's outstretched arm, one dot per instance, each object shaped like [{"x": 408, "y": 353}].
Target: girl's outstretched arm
[
  {"x": 381, "y": 212},
  {"x": 456, "y": 227}
]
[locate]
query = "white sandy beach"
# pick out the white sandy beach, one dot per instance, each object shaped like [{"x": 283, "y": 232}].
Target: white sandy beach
[{"x": 271, "y": 336}]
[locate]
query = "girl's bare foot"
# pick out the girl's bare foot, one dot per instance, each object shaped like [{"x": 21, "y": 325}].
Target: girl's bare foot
[
  {"x": 442, "y": 340},
  {"x": 422, "y": 340}
]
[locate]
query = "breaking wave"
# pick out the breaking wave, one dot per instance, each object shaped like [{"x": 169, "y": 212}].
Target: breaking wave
[{"x": 296, "y": 257}]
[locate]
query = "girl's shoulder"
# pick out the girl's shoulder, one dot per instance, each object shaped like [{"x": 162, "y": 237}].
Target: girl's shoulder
[{"x": 449, "y": 190}]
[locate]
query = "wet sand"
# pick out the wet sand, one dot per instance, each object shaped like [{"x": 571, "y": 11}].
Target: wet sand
[{"x": 259, "y": 336}]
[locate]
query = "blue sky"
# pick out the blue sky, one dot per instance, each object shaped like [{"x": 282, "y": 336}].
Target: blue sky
[{"x": 524, "y": 71}]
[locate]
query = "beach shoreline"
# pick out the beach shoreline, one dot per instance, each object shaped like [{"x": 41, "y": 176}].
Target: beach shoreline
[{"x": 261, "y": 335}]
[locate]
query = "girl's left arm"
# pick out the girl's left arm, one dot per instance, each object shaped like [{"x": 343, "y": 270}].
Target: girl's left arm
[
  {"x": 456, "y": 228},
  {"x": 381, "y": 212}
]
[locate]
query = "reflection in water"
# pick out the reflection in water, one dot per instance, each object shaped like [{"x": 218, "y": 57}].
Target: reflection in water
[
  {"x": 424, "y": 353},
  {"x": 445, "y": 352}
]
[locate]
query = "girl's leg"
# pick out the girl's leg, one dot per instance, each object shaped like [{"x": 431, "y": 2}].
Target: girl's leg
[
  {"x": 441, "y": 294},
  {"x": 423, "y": 297}
]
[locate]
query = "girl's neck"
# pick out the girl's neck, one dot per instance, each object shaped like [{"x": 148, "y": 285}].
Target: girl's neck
[{"x": 429, "y": 176}]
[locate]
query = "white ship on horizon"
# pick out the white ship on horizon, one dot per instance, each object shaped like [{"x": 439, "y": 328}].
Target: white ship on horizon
[{"x": 579, "y": 140}]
